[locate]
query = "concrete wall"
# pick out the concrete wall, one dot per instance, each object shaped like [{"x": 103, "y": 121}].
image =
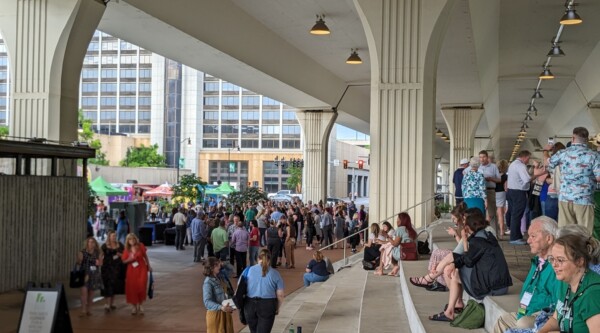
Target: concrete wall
[
  {"x": 143, "y": 175},
  {"x": 115, "y": 146},
  {"x": 338, "y": 179},
  {"x": 42, "y": 226}
]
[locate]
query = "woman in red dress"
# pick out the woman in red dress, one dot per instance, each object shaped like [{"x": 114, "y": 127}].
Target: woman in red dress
[{"x": 138, "y": 267}]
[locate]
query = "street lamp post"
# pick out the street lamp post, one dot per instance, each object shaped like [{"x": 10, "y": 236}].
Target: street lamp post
[
  {"x": 189, "y": 143},
  {"x": 229, "y": 162}
]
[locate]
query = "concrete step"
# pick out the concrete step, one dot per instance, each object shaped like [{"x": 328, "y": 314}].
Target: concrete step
[{"x": 383, "y": 309}]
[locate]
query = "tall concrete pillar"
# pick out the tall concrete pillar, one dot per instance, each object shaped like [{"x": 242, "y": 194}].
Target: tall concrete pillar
[
  {"x": 47, "y": 41},
  {"x": 316, "y": 127},
  {"x": 404, "y": 38},
  {"x": 462, "y": 123},
  {"x": 481, "y": 143}
]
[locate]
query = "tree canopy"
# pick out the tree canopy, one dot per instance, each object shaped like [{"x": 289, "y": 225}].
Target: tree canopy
[
  {"x": 143, "y": 157},
  {"x": 86, "y": 134},
  {"x": 295, "y": 179},
  {"x": 188, "y": 189},
  {"x": 3, "y": 131},
  {"x": 250, "y": 194}
]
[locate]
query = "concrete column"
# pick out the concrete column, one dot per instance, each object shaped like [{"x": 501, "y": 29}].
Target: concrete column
[
  {"x": 404, "y": 38},
  {"x": 445, "y": 168},
  {"x": 47, "y": 41},
  {"x": 462, "y": 124},
  {"x": 481, "y": 143},
  {"x": 316, "y": 127},
  {"x": 594, "y": 111}
]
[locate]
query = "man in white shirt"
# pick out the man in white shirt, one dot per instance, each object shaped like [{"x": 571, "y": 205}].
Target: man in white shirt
[
  {"x": 179, "y": 219},
  {"x": 492, "y": 177},
  {"x": 518, "y": 183}
]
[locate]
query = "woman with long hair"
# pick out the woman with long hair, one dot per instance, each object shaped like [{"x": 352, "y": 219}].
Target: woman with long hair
[
  {"x": 90, "y": 260},
  {"x": 138, "y": 266},
  {"x": 290, "y": 243},
  {"x": 316, "y": 270},
  {"x": 112, "y": 270},
  {"x": 265, "y": 294},
  {"x": 215, "y": 290}
]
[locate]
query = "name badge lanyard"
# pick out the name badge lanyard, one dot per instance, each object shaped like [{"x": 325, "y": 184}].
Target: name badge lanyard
[
  {"x": 526, "y": 299},
  {"x": 567, "y": 310}
]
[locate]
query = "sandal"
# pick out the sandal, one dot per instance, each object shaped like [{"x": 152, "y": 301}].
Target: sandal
[
  {"x": 436, "y": 286},
  {"x": 456, "y": 309},
  {"x": 422, "y": 281},
  {"x": 440, "y": 317},
  {"x": 378, "y": 272}
]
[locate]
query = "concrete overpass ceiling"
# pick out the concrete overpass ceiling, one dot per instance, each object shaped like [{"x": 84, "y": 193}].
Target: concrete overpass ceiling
[
  {"x": 526, "y": 29},
  {"x": 263, "y": 46}
]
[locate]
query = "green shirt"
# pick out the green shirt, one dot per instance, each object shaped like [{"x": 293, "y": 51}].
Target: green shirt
[
  {"x": 218, "y": 238},
  {"x": 543, "y": 285},
  {"x": 584, "y": 307},
  {"x": 250, "y": 214}
]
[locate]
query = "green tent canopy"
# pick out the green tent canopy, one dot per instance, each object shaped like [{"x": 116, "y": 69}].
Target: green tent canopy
[
  {"x": 224, "y": 188},
  {"x": 103, "y": 188}
]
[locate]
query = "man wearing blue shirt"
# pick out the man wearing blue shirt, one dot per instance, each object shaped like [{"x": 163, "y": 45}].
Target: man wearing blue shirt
[
  {"x": 457, "y": 180},
  {"x": 199, "y": 234}
]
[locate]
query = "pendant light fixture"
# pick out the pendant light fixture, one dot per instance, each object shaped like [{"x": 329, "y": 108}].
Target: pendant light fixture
[
  {"x": 528, "y": 117},
  {"x": 525, "y": 125},
  {"x": 537, "y": 94},
  {"x": 546, "y": 74},
  {"x": 556, "y": 51},
  {"x": 571, "y": 17},
  {"x": 320, "y": 28},
  {"x": 531, "y": 108},
  {"x": 354, "y": 59},
  {"x": 439, "y": 132}
]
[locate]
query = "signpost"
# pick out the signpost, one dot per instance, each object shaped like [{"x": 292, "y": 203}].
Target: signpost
[{"x": 45, "y": 310}]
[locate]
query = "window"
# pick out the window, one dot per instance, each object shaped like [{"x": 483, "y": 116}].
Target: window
[
  {"x": 126, "y": 128},
  {"x": 89, "y": 73},
  {"x": 210, "y": 143},
  {"x": 231, "y": 143},
  {"x": 291, "y": 144},
  {"x": 230, "y": 101},
  {"x": 270, "y": 144},
  {"x": 89, "y": 101},
  {"x": 145, "y": 59},
  {"x": 129, "y": 101},
  {"x": 108, "y": 87},
  {"x": 269, "y": 101},
  {"x": 213, "y": 100},
  {"x": 211, "y": 115},
  {"x": 145, "y": 87},
  {"x": 90, "y": 115},
  {"x": 229, "y": 129},
  {"x": 227, "y": 86},
  {"x": 2, "y": 101},
  {"x": 109, "y": 45},
  {"x": 127, "y": 46},
  {"x": 210, "y": 129},
  {"x": 211, "y": 86},
  {"x": 144, "y": 129},
  {"x": 128, "y": 73},
  {"x": 85, "y": 87},
  {"x": 93, "y": 46},
  {"x": 2, "y": 87},
  {"x": 88, "y": 60},
  {"x": 106, "y": 73},
  {"x": 129, "y": 59},
  {"x": 3, "y": 75},
  {"x": 289, "y": 115},
  {"x": 249, "y": 143},
  {"x": 291, "y": 130},
  {"x": 127, "y": 87},
  {"x": 229, "y": 115},
  {"x": 127, "y": 116},
  {"x": 250, "y": 115},
  {"x": 108, "y": 115},
  {"x": 108, "y": 59},
  {"x": 268, "y": 129},
  {"x": 145, "y": 73},
  {"x": 144, "y": 101},
  {"x": 270, "y": 115},
  {"x": 2, "y": 117},
  {"x": 144, "y": 115},
  {"x": 249, "y": 129},
  {"x": 108, "y": 101},
  {"x": 251, "y": 100}
]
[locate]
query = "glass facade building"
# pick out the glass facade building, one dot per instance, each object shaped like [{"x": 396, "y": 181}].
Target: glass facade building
[{"x": 4, "y": 90}]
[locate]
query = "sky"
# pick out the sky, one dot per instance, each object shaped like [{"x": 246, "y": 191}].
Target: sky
[{"x": 345, "y": 133}]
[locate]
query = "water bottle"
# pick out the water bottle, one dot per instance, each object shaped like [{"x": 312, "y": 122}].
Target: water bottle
[
  {"x": 292, "y": 328},
  {"x": 299, "y": 329}
]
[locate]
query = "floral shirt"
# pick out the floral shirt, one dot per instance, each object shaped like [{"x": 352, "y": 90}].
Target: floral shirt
[
  {"x": 473, "y": 185},
  {"x": 579, "y": 168}
]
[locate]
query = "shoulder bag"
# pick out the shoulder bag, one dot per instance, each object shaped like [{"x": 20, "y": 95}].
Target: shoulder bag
[{"x": 239, "y": 298}]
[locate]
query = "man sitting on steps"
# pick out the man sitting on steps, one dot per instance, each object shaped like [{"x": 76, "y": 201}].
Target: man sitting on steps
[{"x": 541, "y": 283}]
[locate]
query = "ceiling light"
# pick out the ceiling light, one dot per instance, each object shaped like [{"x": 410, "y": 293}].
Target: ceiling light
[
  {"x": 537, "y": 94},
  {"x": 571, "y": 17},
  {"x": 521, "y": 135},
  {"x": 439, "y": 132},
  {"x": 444, "y": 137},
  {"x": 531, "y": 108},
  {"x": 354, "y": 59},
  {"x": 556, "y": 51},
  {"x": 546, "y": 74},
  {"x": 528, "y": 117},
  {"x": 519, "y": 139},
  {"x": 320, "y": 28}
]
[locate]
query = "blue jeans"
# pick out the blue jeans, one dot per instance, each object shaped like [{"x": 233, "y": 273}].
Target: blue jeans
[
  {"x": 253, "y": 252},
  {"x": 312, "y": 278},
  {"x": 122, "y": 234},
  {"x": 552, "y": 207}
]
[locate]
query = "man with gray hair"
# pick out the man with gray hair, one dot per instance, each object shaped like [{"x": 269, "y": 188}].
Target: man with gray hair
[
  {"x": 541, "y": 284},
  {"x": 580, "y": 170}
]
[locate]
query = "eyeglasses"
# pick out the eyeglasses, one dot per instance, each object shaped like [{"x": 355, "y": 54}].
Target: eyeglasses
[{"x": 558, "y": 261}]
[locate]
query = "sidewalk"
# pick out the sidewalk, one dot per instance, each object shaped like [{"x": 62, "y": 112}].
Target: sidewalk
[{"x": 177, "y": 305}]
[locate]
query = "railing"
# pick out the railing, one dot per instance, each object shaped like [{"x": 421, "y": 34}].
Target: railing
[{"x": 365, "y": 231}]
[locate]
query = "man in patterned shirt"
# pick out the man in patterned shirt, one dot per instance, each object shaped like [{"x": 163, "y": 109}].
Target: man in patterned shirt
[{"x": 580, "y": 170}]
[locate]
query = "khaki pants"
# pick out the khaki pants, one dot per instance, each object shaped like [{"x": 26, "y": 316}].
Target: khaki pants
[
  {"x": 491, "y": 208},
  {"x": 509, "y": 320},
  {"x": 570, "y": 213}
]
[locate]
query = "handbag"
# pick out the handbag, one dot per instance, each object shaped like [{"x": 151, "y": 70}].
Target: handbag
[
  {"x": 77, "y": 277},
  {"x": 473, "y": 316},
  {"x": 239, "y": 298},
  {"x": 423, "y": 246},
  {"x": 408, "y": 251},
  {"x": 151, "y": 286}
]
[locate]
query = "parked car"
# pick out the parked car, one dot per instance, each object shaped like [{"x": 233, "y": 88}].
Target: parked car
[
  {"x": 285, "y": 192},
  {"x": 281, "y": 197},
  {"x": 334, "y": 201}
]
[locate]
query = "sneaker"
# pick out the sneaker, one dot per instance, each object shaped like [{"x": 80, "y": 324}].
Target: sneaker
[
  {"x": 518, "y": 242},
  {"x": 106, "y": 308},
  {"x": 507, "y": 232},
  {"x": 134, "y": 311},
  {"x": 141, "y": 311}
]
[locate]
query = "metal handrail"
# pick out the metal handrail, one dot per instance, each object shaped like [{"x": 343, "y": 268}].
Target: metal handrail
[{"x": 365, "y": 231}]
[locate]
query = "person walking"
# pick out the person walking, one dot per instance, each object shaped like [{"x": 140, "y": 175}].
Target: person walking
[
  {"x": 179, "y": 219},
  {"x": 265, "y": 294},
  {"x": 274, "y": 235},
  {"x": 199, "y": 234},
  {"x": 113, "y": 275},
  {"x": 90, "y": 260},
  {"x": 138, "y": 266},
  {"x": 240, "y": 240},
  {"x": 580, "y": 171},
  {"x": 215, "y": 290}
]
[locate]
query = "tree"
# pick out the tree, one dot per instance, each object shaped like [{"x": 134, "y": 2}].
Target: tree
[
  {"x": 189, "y": 189},
  {"x": 295, "y": 179},
  {"x": 86, "y": 134},
  {"x": 250, "y": 194},
  {"x": 3, "y": 132},
  {"x": 143, "y": 157}
]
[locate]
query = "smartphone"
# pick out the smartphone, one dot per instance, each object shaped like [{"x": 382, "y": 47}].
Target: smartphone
[{"x": 551, "y": 141}]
